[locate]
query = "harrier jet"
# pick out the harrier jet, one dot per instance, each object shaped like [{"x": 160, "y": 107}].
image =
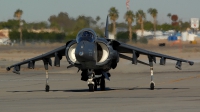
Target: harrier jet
[{"x": 95, "y": 56}]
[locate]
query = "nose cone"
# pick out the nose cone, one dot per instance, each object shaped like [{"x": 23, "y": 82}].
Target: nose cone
[{"x": 86, "y": 52}]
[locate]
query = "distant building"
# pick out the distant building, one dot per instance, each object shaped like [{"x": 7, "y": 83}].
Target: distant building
[
  {"x": 44, "y": 30},
  {"x": 2, "y": 35},
  {"x": 121, "y": 29},
  {"x": 5, "y": 32},
  {"x": 111, "y": 36},
  {"x": 4, "y": 39}
]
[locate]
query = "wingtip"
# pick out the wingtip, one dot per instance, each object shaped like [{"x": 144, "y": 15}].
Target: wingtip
[
  {"x": 8, "y": 68},
  {"x": 191, "y": 63}
]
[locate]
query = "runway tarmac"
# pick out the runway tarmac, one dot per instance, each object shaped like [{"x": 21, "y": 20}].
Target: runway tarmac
[{"x": 127, "y": 91}]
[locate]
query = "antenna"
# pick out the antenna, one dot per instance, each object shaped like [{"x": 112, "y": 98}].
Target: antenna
[{"x": 106, "y": 29}]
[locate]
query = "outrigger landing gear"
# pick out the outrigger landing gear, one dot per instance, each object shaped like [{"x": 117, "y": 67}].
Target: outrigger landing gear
[
  {"x": 47, "y": 81},
  {"x": 152, "y": 84},
  {"x": 46, "y": 62}
]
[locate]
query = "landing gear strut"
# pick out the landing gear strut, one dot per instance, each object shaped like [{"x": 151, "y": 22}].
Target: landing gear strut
[
  {"x": 46, "y": 62},
  {"x": 90, "y": 80},
  {"x": 91, "y": 87},
  {"x": 152, "y": 84}
]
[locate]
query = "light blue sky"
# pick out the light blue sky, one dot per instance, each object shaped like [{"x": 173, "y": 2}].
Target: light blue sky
[{"x": 41, "y": 10}]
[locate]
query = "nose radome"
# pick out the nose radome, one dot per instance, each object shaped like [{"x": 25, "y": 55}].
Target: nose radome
[{"x": 85, "y": 51}]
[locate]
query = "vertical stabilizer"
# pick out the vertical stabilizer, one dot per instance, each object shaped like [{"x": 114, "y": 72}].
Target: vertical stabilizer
[{"x": 106, "y": 29}]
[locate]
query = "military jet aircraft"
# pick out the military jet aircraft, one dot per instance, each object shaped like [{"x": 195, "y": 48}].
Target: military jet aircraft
[{"x": 95, "y": 56}]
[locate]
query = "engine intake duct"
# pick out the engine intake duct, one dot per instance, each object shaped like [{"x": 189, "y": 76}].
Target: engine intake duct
[{"x": 102, "y": 52}]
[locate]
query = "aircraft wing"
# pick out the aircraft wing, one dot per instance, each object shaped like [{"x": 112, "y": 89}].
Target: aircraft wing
[
  {"x": 57, "y": 53},
  {"x": 125, "y": 48}
]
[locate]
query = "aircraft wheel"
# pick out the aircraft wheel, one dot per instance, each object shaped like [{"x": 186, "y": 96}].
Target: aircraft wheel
[
  {"x": 102, "y": 84},
  {"x": 95, "y": 85},
  {"x": 47, "y": 88},
  {"x": 152, "y": 85},
  {"x": 91, "y": 87}
]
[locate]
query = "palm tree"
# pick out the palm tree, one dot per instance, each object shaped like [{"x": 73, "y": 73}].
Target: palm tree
[
  {"x": 180, "y": 24},
  {"x": 153, "y": 12},
  {"x": 98, "y": 18},
  {"x": 114, "y": 14},
  {"x": 102, "y": 23},
  {"x": 169, "y": 15},
  {"x": 140, "y": 15},
  {"x": 129, "y": 17},
  {"x": 18, "y": 13}
]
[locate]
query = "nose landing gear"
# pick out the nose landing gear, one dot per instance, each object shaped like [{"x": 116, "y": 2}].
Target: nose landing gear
[
  {"x": 90, "y": 80},
  {"x": 94, "y": 82}
]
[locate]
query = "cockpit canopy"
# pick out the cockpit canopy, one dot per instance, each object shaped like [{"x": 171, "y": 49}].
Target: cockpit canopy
[{"x": 86, "y": 34}]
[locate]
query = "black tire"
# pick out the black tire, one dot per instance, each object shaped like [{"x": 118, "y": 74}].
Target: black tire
[
  {"x": 102, "y": 84},
  {"x": 91, "y": 87},
  {"x": 95, "y": 85},
  {"x": 152, "y": 86},
  {"x": 47, "y": 88}
]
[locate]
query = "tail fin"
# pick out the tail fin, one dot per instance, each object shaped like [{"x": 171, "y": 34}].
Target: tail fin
[{"x": 106, "y": 29}]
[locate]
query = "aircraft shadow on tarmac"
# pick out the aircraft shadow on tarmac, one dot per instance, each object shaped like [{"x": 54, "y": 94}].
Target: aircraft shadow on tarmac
[
  {"x": 74, "y": 90},
  {"x": 157, "y": 88},
  {"x": 106, "y": 89}
]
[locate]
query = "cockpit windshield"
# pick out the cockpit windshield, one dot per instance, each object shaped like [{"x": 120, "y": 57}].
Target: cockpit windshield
[{"x": 86, "y": 35}]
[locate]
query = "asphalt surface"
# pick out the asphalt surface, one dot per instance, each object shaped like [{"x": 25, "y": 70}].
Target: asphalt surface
[{"x": 127, "y": 91}]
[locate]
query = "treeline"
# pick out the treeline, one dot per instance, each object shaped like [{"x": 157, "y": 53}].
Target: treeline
[
  {"x": 163, "y": 27},
  {"x": 59, "y": 37},
  {"x": 123, "y": 37},
  {"x": 64, "y": 27},
  {"x": 43, "y": 36},
  {"x": 61, "y": 22}
]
